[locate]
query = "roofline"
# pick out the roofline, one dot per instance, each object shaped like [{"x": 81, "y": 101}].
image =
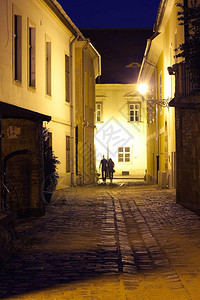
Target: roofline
[
  {"x": 160, "y": 14},
  {"x": 148, "y": 46},
  {"x": 65, "y": 19}
]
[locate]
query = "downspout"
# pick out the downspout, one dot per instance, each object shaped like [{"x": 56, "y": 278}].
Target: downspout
[
  {"x": 83, "y": 95},
  {"x": 72, "y": 111}
]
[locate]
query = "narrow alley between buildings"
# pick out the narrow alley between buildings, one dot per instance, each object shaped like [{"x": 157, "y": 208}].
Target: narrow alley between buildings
[{"x": 119, "y": 241}]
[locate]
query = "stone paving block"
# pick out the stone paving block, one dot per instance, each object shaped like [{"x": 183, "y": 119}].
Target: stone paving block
[{"x": 108, "y": 243}]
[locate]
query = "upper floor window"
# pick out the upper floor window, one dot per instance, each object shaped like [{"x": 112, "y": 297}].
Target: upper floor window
[
  {"x": 17, "y": 48},
  {"x": 134, "y": 112},
  {"x": 161, "y": 96},
  {"x": 31, "y": 62},
  {"x": 99, "y": 112},
  {"x": 124, "y": 154},
  {"x": 48, "y": 67},
  {"x": 67, "y": 78}
]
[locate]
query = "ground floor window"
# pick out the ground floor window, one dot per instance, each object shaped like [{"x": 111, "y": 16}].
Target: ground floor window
[
  {"x": 67, "y": 153},
  {"x": 124, "y": 154}
]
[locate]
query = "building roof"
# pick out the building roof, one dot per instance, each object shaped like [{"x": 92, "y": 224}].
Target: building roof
[{"x": 121, "y": 52}]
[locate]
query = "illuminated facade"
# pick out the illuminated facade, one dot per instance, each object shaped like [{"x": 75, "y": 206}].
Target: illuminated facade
[
  {"x": 121, "y": 128},
  {"x": 41, "y": 72},
  {"x": 158, "y": 56}
]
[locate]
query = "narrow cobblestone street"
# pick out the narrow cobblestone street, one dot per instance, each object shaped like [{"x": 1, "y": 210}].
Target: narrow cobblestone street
[{"x": 120, "y": 241}]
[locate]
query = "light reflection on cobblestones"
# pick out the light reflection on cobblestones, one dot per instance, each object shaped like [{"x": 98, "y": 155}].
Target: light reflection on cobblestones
[{"x": 107, "y": 242}]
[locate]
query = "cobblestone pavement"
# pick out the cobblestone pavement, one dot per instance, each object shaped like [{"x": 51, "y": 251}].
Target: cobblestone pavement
[{"x": 120, "y": 241}]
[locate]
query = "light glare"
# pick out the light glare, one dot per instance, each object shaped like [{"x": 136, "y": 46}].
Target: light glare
[{"x": 142, "y": 88}]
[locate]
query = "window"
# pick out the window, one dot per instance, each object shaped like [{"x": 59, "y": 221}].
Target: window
[
  {"x": 66, "y": 78},
  {"x": 48, "y": 68},
  {"x": 160, "y": 91},
  {"x": 124, "y": 154},
  {"x": 31, "y": 56},
  {"x": 17, "y": 48},
  {"x": 67, "y": 153},
  {"x": 98, "y": 112},
  {"x": 176, "y": 46},
  {"x": 50, "y": 139},
  {"x": 134, "y": 112}
]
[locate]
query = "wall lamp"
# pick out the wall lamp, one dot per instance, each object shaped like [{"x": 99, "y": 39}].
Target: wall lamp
[
  {"x": 143, "y": 88},
  {"x": 171, "y": 71}
]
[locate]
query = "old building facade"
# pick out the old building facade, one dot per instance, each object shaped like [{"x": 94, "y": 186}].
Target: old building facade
[
  {"x": 121, "y": 128},
  {"x": 40, "y": 69},
  {"x": 158, "y": 56}
]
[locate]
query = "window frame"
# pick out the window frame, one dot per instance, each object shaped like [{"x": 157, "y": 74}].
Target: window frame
[
  {"x": 31, "y": 55},
  {"x": 123, "y": 153},
  {"x": 67, "y": 78},
  {"x": 48, "y": 67},
  {"x": 17, "y": 48},
  {"x": 68, "y": 156},
  {"x": 99, "y": 110},
  {"x": 134, "y": 110}
]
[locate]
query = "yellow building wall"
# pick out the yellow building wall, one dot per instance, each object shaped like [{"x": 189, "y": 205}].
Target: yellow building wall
[
  {"x": 161, "y": 53},
  {"x": 85, "y": 109},
  {"x": 47, "y": 25}
]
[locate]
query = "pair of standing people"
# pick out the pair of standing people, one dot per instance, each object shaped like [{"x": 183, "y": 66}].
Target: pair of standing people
[{"x": 107, "y": 168}]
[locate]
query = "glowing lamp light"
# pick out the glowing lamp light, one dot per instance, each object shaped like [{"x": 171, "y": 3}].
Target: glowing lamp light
[{"x": 142, "y": 88}]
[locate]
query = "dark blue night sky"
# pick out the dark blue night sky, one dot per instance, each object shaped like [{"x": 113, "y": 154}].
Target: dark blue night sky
[{"x": 110, "y": 13}]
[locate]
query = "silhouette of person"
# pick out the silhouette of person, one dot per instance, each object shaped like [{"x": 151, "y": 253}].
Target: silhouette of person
[
  {"x": 103, "y": 165},
  {"x": 111, "y": 169}
]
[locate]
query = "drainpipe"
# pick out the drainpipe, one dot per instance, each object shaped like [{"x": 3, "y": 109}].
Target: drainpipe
[
  {"x": 157, "y": 121},
  {"x": 72, "y": 111},
  {"x": 83, "y": 95}
]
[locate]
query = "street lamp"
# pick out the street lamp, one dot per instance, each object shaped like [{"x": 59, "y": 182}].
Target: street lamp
[{"x": 143, "y": 88}]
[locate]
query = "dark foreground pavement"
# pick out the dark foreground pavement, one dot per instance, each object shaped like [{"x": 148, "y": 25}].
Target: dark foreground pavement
[{"x": 120, "y": 241}]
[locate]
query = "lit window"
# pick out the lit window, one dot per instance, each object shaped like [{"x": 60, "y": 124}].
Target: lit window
[
  {"x": 32, "y": 56},
  {"x": 67, "y": 153},
  {"x": 67, "y": 78},
  {"x": 17, "y": 47},
  {"x": 98, "y": 112},
  {"x": 134, "y": 112},
  {"x": 124, "y": 154},
  {"x": 48, "y": 68}
]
